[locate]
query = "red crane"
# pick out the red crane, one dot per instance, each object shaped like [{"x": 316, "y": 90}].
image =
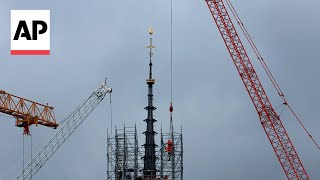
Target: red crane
[{"x": 269, "y": 119}]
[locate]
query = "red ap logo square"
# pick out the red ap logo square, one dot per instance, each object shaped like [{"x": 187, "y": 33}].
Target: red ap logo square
[{"x": 30, "y": 32}]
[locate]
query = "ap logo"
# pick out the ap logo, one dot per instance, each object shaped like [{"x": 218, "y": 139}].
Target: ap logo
[{"x": 30, "y": 32}]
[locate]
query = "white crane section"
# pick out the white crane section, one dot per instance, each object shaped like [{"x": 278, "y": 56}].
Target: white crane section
[{"x": 65, "y": 129}]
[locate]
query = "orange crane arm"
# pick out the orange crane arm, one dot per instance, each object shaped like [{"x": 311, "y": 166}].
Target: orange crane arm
[{"x": 27, "y": 112}]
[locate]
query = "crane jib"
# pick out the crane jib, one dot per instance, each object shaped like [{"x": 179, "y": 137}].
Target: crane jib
[
  {"x": 270, "y": 121},
  {"x": 66, "y": 128}
]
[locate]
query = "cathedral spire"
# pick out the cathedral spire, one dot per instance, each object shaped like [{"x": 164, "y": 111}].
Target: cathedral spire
[{"x": 150, "y": 170}]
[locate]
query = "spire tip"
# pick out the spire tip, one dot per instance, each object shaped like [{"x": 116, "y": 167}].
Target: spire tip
[{"x": 150, "y": 30}]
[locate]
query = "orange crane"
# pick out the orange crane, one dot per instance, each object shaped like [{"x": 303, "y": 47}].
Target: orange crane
[
  {"x": 26, "y": 112},
  {"x": 269, "y": 118}
]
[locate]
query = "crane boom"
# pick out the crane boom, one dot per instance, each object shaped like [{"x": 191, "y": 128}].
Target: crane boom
[
  {"x": 269, "y": 119},
  {"x": 67, "y": 127},
  {"x": 26, "y": 112}
]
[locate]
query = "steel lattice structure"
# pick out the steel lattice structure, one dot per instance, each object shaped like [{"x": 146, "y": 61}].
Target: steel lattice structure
[
  {"x": 270, "y": 120},
  {"x": 171, "y": 165},
  {"x": 125, "y": 162},
  {"x": 27, "y": 112},
  {"x": 124, "y": 155},
  {"x": 67, "y": 127}
]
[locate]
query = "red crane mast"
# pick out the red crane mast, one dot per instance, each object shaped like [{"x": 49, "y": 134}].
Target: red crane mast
[{"x": 269, "y": 119}]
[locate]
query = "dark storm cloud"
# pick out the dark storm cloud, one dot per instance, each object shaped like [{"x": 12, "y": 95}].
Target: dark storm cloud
[{"x": 223, "y": 138}]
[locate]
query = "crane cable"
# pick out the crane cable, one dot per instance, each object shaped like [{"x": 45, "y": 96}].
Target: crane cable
[
  {"x": 31, "y": 149},
  {"x": 23, "y": 154},
  {"x": 23, "y": 157},
  {"x": 266, "y": 68},
  {"x": 11, "y": 169},
  {"x": 171, "y": 69}
]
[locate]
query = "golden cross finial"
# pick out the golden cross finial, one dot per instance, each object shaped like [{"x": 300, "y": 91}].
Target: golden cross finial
[
  {"x": 150, "y": 30},
  {"x": 150, "y": 46}
]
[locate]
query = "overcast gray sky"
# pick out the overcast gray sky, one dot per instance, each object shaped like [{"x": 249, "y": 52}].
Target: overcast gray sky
[{"x": 223, "y": 138}]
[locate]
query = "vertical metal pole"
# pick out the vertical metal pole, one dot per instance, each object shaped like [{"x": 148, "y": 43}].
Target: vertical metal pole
[
  {"x": 135, "y": 153},
  {"x": 117, "y": 156},
  {"x": 161, "y": 155},
  {"x": 108, "y": 158},
  {"x": 173, "y": 158},
  {"x": 124, "y": 154},
  {"x": 181, "y": 154}
]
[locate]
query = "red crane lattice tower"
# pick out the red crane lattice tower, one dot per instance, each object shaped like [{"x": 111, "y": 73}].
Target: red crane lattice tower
[{"x": 269, "y": 119}]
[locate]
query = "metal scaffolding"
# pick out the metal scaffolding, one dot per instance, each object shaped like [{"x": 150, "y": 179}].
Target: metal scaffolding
[
  {"x": 171, "y": 164},
  {"x": 123, "y": 154}
]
